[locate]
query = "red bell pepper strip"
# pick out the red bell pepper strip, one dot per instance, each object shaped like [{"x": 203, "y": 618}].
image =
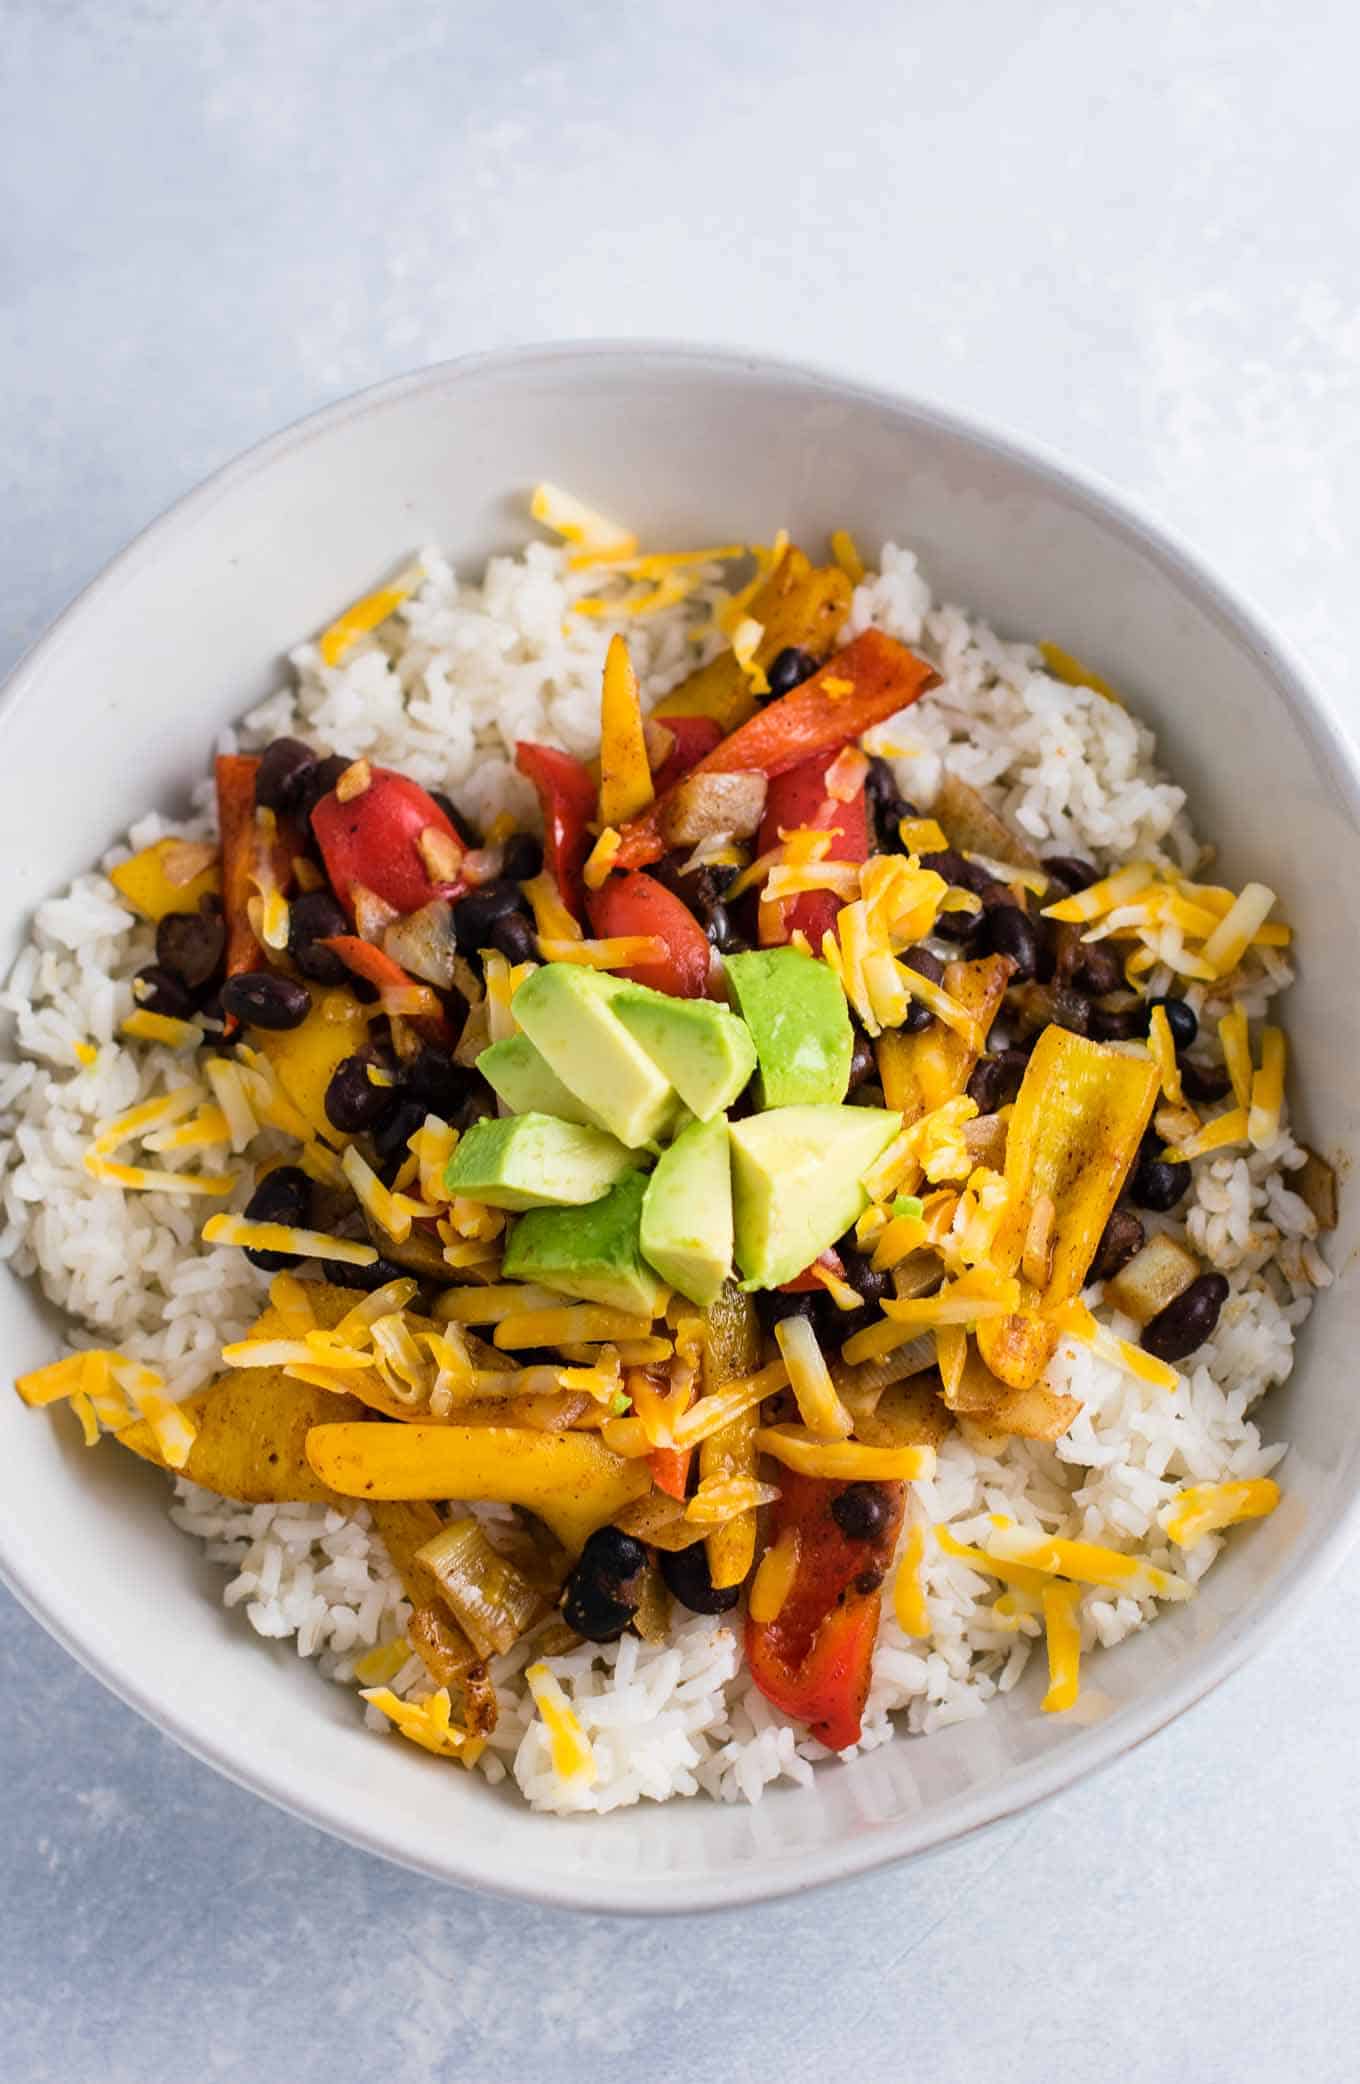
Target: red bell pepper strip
[
  {"x": 567, "y": 795},
  {"x": 385, "y": 974},
  {"x": 375, "y": 840},
  {"x": 806, "y": 1283},
  {"x": 235, "y": 777},
  {"x": 869, "y": 680},
  {"x": 694, "y": 737},
  {"x": 641, "y": 905},
  {"x": 799, "y": 798},
  {"x": 670, "y": 1470},
  {"x": 813, "y": 1661}
]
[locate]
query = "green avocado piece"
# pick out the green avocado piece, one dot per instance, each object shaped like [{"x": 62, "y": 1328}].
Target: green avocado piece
[
  {"x": 519, "y": 1075},
  {"x": 799, "y": 1022},
  {"x": 566, "y": 1011},
  {"x": 535, "y": 1161},
  {"x": 592, "y": 1252},
  {"x": 796, "y": 1175},
  {"x": 700, "y": 1047},
  {"x": 687, "y": 1212}
]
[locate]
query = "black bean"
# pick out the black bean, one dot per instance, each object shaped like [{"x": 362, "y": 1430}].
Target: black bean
[
  {"x": 996, "y": 1079},
  {"x": 1180, "y": 1018},
  {"x": 283, "y": 1196},
  {"x": 446, "y": 804},
  {"x": 514, "y": 936},
  {"x": 1011, "y": 932},
  {"x": 1187, "y": 1322},
  {"x": 523, "y": 857},
  {"x": 318, "y": 781},
  {"x": 1204, "y": 1082},
  {"x": 264, "y": 999},
  {"x": 377, "y": 1274},
  {"x": 1071, "y": 871},
  {"x": 1120, "y": 1239},
  {"x": 475, "y": 915},
  {"x": 1071, "y": 1011},
  {"x": 774, "y": 1304},
  {"x": 789, "y": 669},
  {"x": 280, "y": 776},
  {"x": 1155, "y": 1183},
  {"x": 312, "y": 918},
  {"x": 1119, "y": 1023},
  {"x": 887, "y": 805},
  {"x": 961, "y": 874},
  {"x": 867, "y": 1281},
  {"x": 687, "y": 1577},
  {"x": 390, "y": 1137},
  {"x": 861, "y": 1511},
  {"x": 353, "y": 1103},
  {"x": 863, "y": 1064},
  {"x": 1097, "y": 970},
  {"x": 601, "y": 1595},
  {"x": 191, "y": 944},
  {"x": 157, "y": 990},
  {"x": 436, "y": 1081}
]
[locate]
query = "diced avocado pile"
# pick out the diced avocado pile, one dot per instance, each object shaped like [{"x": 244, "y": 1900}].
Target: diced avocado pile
[{"x": 618, "y": 1156}]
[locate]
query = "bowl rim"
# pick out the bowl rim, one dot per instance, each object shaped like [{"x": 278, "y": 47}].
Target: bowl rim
[{"x": 770, "y": 1877}]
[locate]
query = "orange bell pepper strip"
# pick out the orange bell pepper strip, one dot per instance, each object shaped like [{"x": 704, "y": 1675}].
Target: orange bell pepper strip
[
  {"x": 858, "y": 687},
  {"x": 814, "y": 1660},
  {"x": 235, "y": 777},
  {"x": 387, "y": 976}
]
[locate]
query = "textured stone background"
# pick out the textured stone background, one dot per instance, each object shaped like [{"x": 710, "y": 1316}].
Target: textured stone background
[{"x": 1131, "y": 232}]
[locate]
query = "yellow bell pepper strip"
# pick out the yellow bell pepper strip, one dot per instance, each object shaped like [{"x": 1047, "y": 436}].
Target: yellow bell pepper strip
[
  {"x": 625, "y": 773},
  {"x": 250, "y": 1443},
  {"x": 869, "y": 681},
  {"x": 171, "y": 876},
  {"x": 921, "y": 1071},
  {"x": 799, "y": 605},
  {"x": 305, "y": 1058},
  {"x": 571, "y": 1480},
  {"x": 1079, "y": 1118}
]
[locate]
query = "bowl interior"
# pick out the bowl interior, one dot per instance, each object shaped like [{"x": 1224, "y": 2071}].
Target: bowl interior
[{"x": 115, "y": 713}]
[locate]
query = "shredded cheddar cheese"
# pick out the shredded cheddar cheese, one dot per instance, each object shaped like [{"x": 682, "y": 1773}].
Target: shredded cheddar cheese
[
  {"x": 909, "y": 1598},
  {"x": 1205, "y": 1508},
  {"x": 1267, "y": 1091},
  {"x": 142, "y": 1026},
  {"x": 806, "y": 1455},
  {"x": 820, "y": 1409},
  {"x": 774, "y": 1578},
  {"x": 1063, "y": 1634},
  {"x": 585, "y": 528},
  {"x": 428, "y": 1723},
  {"x": 572, "y": 1756},
  {"x": 282, "y": 1237}
]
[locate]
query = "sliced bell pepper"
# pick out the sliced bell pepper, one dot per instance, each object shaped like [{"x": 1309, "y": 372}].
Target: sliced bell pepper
[
  {"x": 799, "y": 604},
  {"x": 391, "y": 838},
  {"x": 670, "y": 1469},
  {"x": 387, "y": 976},
  {"x": 813, "y": 1661},
  {"x": 235, "y": 778},
  {"x": 800, "y": 799},
  {"x": 921, "y": 1071},
  {"x": 566, "y": 795},
  {"x": 870, "y": 680},
  {"x": 694, "y": 736},
  {"x": 626, "y": 786},
  {"x": 637, "y": 904},
  {"x": 807, "y": 1283}
]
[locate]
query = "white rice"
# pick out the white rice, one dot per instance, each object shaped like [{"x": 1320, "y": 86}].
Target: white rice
[{"x": 463, "y": 672}]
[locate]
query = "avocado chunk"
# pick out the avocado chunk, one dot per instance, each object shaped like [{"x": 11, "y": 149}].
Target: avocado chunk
[
  {"x": 566, "y": 1012},
  {"x": 687, "y": 1212},
  {"x": 796, "y": 1188},
  {"x": 799, "y": 1022},
  {"x": 526, "y": 1082},
  {"x": 535, "y": 1161},
  {"x": 700, "y": 1047},
  {"x": 592, "y": 1252}
]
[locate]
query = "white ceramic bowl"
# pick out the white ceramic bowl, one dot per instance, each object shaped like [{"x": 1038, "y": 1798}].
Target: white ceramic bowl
[{"x": 114, "y": 712}]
